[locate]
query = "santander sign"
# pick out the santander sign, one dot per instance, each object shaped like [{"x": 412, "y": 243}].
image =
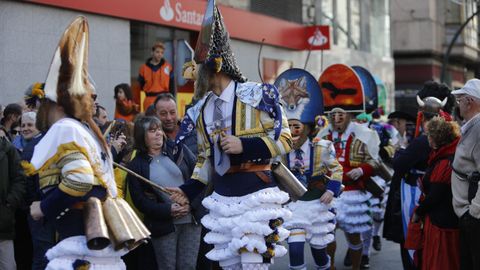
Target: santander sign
[{"x": 179, "y": 14}]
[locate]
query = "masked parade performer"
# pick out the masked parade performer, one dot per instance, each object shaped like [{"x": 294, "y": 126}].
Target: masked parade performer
[
  {"x": 311, "y": 162},
  {"x": 72, "y": 159},
  {"x": 356, "y": 149},
  {"x": 240, "y": 128}
]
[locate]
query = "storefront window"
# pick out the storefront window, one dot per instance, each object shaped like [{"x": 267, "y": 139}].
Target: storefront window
[{"x": 143, "y": 36}]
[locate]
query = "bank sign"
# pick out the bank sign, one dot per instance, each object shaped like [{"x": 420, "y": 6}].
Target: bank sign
[
  {"x": 177, "y": 12},
  {"x": 188, "y": 15}
]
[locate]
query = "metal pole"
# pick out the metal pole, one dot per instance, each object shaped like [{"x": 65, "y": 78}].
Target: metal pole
[{"x": 452, "y": 42}]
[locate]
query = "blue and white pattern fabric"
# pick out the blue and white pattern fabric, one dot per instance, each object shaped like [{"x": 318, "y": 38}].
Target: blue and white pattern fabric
[{"x": 264, "y": 97}]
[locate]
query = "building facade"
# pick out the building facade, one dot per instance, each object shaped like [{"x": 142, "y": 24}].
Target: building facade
[
  {"x": 122, "y": 33},
  {"x": 421, "y": 33}
]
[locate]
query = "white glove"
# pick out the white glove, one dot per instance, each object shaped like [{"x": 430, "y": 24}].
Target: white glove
[{"x": 355, "y": 173}]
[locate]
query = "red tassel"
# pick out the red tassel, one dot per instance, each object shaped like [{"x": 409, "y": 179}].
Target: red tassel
[{"x": 418, "y": 124}]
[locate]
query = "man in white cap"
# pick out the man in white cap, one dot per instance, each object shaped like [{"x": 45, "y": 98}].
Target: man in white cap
[{"x": 466, "y": 167}]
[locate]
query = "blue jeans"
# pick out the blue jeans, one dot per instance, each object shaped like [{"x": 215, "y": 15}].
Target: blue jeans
[{"x": 43, "y": 238}]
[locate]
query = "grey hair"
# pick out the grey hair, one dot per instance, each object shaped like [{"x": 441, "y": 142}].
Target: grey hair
[{"x": 32, "y": 116}]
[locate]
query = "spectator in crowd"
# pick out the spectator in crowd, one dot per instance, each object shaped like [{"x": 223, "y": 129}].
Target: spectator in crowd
[
  {"x": 121, "y": 140},
  {"x": 155, "y": 76},
  {"x": 28, "y": 130},
  {"x": 12, "y": 191},
  {"x": 15, "y": 130},
  {"x": 440, "y": 224},
  {"x": 125, "y": 108},
  {"x": 166, "y": 110},
  {"x": 23, "y": 239},
  {"x": 42, "y": 234},
  {"x": 399, "y": 120},
  {"x": 466, "y": 165},
  {"x": 175, "y": 234},
  {"x": 101, "y": 117},
  {"x": 11, "y": 115}
]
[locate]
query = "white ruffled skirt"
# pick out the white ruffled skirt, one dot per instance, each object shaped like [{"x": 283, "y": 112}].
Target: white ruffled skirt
[
  {"x": 244, "y": 224},
  {"x": 314, "y": 219},
  {"x": 64, "y": 254},
  {"x": 353, "y": 211}
]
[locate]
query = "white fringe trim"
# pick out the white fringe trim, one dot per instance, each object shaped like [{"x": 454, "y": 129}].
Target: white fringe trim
[
  {"x": 321, "y": 240},
  {"x": 353, "y": 212},
  {"x": 232, "y": 206},
  {"x": 77, "y": 246},
  {"x": 306, "y": 213},
  {"x": 354, "y": 196}
]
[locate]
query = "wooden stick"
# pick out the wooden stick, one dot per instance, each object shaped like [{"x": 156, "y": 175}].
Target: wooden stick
[
  {"x": 105, "y": 134},
  {"x": 145, "y": 180}
]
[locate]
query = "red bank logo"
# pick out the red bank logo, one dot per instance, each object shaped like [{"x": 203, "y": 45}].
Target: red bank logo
[{"x": 181, "y": 15}]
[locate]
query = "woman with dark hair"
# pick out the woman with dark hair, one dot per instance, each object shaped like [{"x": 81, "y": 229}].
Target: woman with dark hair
[
  {"x": 175, "y": 234},
  {"x": 435, "y": 209},
  {"x": 125, "y": 108}
]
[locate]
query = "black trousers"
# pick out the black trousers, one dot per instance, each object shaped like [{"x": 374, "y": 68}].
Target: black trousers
[{"x": 469, "y": 242}]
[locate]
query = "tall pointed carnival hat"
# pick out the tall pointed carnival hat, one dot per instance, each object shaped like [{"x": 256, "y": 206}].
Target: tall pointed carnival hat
[
  {"x": 213, "y": 46},
  {"x": 67, "y": 81},
  {"x": 342, "y": 89},
  {"x": 300, "y": 95}
]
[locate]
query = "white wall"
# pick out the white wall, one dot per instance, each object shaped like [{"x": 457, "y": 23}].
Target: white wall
[{"x": 29, "y": 35}]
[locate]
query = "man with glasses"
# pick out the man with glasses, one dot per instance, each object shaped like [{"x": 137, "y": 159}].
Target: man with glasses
[{"x": 466, "y": 166}]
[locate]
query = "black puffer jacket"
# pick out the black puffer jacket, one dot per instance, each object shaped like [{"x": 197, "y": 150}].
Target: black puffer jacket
[
  {"x": 157, "y": 214},
  {"x": 12, "y": 188}
]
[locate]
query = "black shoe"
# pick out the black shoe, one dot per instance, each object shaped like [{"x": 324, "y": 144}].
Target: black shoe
[
  {"x": 365, "y": 263},
  {"x": 377, "y": 244},
  {"x": 347, "y": 261}
]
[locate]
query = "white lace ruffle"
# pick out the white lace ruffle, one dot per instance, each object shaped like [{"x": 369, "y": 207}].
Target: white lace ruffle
[
  {"x": 243, "y": 222},
  {"x": 76, "y": 247},
  {"x": 315, "y": 218},
  {"x": 353, "y": 211},
  {"x": 233, "y": 206}
]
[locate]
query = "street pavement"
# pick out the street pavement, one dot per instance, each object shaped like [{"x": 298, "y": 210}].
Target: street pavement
[{"x": 387, "y": 258}]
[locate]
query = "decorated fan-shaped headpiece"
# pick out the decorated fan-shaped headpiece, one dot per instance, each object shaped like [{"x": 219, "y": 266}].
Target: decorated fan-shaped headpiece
[
  {"x": 369, "y": 88},
  {"x": 67, "y": 80},
  {"x": 342, "y": 89},
  {"x": 300, "y": 95},
  {"x": 34, "y": 94},
  {"x": 213, "y": 46}
]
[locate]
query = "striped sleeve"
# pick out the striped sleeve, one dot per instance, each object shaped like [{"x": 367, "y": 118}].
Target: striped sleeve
[
  {"x": 77, "y": 174},
  {"x": 266, "y": 146}
]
